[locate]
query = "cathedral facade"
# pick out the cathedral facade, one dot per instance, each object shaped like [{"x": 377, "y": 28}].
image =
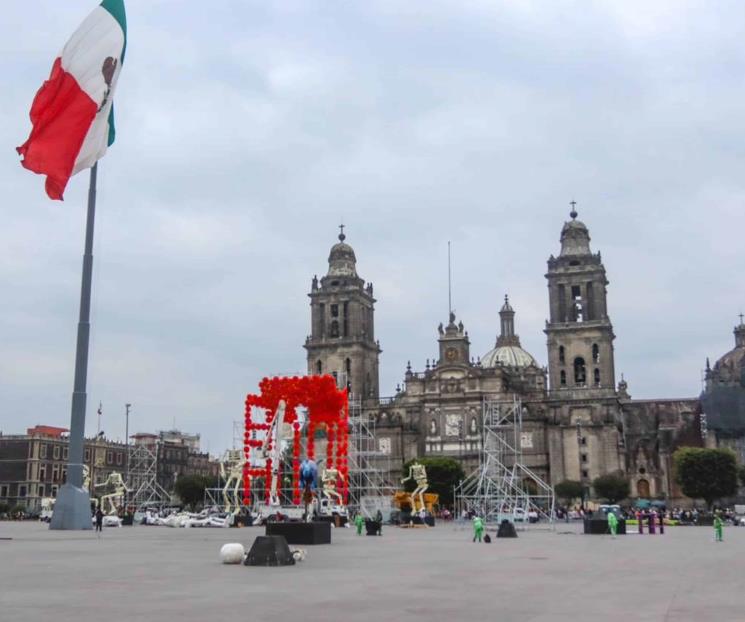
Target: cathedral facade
[{"x": 577, "y": 422}]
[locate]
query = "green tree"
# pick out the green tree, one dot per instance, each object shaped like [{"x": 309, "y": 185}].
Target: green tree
[
  {"x": 442, "y": 474},
  {"x": 190, "y": 488},
  {"x": 569, "y": 490},
  {"x": 612, "y": 487},
  {"x": 707, "y": 474}
]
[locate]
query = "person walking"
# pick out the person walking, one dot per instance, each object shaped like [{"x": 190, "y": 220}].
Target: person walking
[
  {"x": 379, "y": 520},
  {"x": 718, "y": 528},
  {"x": 99, "y": 519},
  {"x": 478, "y": 528},
  {"x": 612, "y": 524},
  {"x": 359, "y": 523}
]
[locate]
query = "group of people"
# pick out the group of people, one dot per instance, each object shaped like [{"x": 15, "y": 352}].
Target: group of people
[
  {"x": 359, "y": 523},
  {"x": 654, "y": 521}
]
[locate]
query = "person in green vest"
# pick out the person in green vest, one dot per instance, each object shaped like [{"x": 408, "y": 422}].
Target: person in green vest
[
  {"x": 612, "y": 524},
  {"x": 478, "y": 528},
  {"x": 359, "y": 522},
  {"x": 718, "y": 525}
]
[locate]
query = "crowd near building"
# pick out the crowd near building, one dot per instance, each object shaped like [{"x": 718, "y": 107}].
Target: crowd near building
[
  {"x": 578, "y": 421},
  {"x": 34, "y": 465}
]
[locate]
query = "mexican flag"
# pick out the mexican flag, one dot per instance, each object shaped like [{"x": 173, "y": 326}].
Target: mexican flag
[{"x": 73, "y": 114}]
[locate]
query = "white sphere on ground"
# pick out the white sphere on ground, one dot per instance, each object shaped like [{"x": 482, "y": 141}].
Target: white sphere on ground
[{"x": 232, "y": 553}]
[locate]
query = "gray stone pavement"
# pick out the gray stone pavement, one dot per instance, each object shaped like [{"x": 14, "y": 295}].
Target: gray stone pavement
[{"x": 157, "y": 573}]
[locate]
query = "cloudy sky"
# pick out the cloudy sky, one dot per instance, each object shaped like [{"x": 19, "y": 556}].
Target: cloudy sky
[{"x": 248, "y": 130}]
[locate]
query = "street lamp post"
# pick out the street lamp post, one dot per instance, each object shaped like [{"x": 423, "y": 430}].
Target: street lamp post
[
  {"x": 126, "y": 441},
  {"x": 579, "y": 462}
]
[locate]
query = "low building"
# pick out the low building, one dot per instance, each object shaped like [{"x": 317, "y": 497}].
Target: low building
[
  {"x": 34, "y": 465},
  {"x": 177, "y": 454}
]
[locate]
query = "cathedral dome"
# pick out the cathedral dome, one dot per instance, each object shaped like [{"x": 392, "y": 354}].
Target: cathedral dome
[
  {"x": 575, "y": 237},
  {"x": 507, "y": 350},
  {"x": 342, "y": 260},
  {"x": 735, "y": 358},
  {"x": 511, "y": 356}
]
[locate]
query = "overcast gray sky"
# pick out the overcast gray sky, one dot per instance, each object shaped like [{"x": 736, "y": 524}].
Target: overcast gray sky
[{"x": 248, "y": 130}]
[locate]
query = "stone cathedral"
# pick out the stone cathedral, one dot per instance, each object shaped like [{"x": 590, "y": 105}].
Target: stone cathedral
[{"x": 578, "y": 422}]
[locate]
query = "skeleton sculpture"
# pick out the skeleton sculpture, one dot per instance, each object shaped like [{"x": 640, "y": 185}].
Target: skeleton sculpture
[
  {"x": 419, "y": 474},
  {"x": 113, "y": 482},
  {"x": 231, "y": 470},
  {"x": 271, "y": 450},
  {"x": 328, "y": 480}
]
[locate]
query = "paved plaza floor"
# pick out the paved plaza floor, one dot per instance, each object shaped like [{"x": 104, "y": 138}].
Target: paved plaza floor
[{"x": 156, "y": 573}]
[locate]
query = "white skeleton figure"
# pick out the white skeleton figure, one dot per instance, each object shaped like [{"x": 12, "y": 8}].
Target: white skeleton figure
[
  {"x": 86, "y": 477},
  {"x": 116, "y": 483},
  {"x": 274, "y": 436},
  {"x": 231, "y": 469},
  {"x": 419, "y": 473},
  {"x": 328, "y": 480}
]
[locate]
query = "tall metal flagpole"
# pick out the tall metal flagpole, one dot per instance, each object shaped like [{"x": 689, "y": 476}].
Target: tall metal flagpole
[{"x": 72, "y": 509}]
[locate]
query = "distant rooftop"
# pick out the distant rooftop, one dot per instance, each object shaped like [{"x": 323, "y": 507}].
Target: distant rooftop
[{"x": 47, "y": 430}]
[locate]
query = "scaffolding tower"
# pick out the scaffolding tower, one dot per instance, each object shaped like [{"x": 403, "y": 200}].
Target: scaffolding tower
[
  {"x": 369, "y": 468},
  {"x": 503, "y": 487},
  {"x": 143, "y": 477}
]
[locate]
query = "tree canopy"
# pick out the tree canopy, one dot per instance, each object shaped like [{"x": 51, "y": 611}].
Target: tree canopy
[
  {"x": 707, "y": 474},
  {"x": 190, "y": 488},
  {"x": 568, "y": 490},
  {"x": 612, "y": 487},
  {"x": 442, "y": 474}
]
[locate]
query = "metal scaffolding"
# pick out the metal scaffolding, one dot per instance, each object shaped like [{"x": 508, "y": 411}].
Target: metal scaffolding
[
  {"x": 369, "y": 467},
  {"x": 143, "y": 477},
  {"x": 503, "y": 487}
]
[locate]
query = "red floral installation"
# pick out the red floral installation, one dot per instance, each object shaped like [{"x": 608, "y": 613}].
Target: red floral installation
[{"x": 328, "y": 408}]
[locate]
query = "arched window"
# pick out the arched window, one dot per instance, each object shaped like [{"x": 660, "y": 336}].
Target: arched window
[
  {"x": 595, "y": 353},
  {"x": 319, "y": 367},
  {"x": 561, "y": 355},
  {"x": 580, "y": 373},
  {"x": 348, "y": 369},
  {"x": 563, "y": 378},
  {"x": 597, "y": 377},
  {"x": 335, "y": 328}
]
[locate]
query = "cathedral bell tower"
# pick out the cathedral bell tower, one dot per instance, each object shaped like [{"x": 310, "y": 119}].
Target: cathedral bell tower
[
  {"x": 579, "y": 331},
  {"x": 454, "y": 344},
  {"x": 342, "y": 340}
]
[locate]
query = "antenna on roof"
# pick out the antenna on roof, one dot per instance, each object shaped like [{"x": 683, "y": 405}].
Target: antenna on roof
[{"x": 450, "y": 287}]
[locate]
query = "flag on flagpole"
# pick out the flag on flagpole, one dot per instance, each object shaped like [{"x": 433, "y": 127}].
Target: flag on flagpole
[{"x": 72, "y": 114}]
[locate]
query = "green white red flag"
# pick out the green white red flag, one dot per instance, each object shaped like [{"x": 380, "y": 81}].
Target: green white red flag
[{"x": 72, "y": 113}]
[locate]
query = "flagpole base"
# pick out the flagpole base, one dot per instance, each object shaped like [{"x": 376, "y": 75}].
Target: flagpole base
[{"x": 72, "y": 509}]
